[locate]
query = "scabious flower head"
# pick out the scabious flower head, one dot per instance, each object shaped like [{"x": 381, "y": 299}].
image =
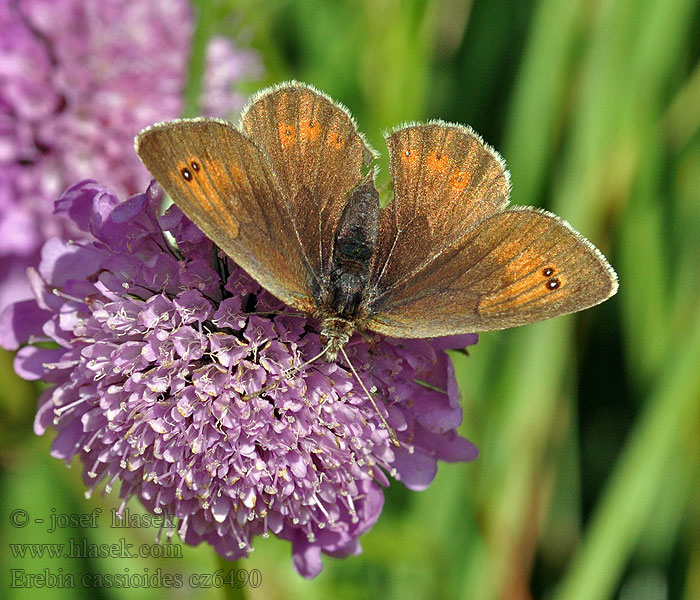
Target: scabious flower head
[
  {"x": 156, "y": 345},
  {"x": 78, "y": 80}
]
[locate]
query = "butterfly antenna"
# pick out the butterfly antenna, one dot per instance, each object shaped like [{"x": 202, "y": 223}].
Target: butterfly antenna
[
  {"x": 391, "y": 432},
  {"x": 286, "y": 375}
]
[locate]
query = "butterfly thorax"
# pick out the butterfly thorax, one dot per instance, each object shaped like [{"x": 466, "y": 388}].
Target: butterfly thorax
[{"x": 343, "y": 301}]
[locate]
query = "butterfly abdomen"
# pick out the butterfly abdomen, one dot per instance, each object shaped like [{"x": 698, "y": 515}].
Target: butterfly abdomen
[
  {"x": 353, "y": 249},
  {"x": 349, "y": 273}
]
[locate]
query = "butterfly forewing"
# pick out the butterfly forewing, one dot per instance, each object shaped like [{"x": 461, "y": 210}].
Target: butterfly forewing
[
  {"x": 317, "y": 154},
  {"x": 516, "y": 267},
  {"x": 446, "y": 180},
  {"x": 224, "y": 183}
]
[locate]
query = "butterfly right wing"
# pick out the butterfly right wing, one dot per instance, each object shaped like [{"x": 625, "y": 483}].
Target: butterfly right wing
[
  {"x": 225, "y": 185},
  {"x": 451, "y": 260}
]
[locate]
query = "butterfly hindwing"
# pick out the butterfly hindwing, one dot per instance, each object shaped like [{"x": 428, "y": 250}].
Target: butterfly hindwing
[
  {"x": 317, "y": 154},
  {"x": 445, "y": 180}
]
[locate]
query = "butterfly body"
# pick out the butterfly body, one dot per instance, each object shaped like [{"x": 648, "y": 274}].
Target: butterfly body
[
  {"x": 343, "y": 301},
  {"x": 285, "y": 197}
]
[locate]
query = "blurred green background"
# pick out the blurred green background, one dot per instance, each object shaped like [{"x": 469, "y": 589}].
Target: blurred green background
[{"x": 587, "y": 486}]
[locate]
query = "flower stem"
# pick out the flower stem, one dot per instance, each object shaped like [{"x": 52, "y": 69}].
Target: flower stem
[{"x": 230, "y": 568}]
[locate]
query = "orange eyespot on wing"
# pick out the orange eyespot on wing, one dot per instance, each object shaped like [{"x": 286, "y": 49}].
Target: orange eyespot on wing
[
  {"x": 458, "y": 181},
  {"x": 335, "y": 140},
  {"x": 437, "y": 163},
  {"x": 524, "y": 290},
  {"x": 309, "y": 131},
  {"x": 210, "y": 181},
  {"x": 287, "y": 135}
]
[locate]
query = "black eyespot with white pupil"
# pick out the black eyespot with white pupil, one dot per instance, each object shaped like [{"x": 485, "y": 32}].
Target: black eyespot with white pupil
[
  {"x": 552, "y": 283},
  {"x": 187, "y": 174}
]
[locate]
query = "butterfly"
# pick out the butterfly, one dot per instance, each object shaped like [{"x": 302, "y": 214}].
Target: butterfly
[{"x": 289, "y": 195}]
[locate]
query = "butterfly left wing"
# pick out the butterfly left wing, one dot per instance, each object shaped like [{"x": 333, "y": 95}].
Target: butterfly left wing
[
  {"x": 516, "y": 267},
  {"x": 224, "y": 183}
]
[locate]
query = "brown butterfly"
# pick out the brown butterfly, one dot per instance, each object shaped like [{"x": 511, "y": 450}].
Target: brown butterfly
[{"x": 284, "y": 195}]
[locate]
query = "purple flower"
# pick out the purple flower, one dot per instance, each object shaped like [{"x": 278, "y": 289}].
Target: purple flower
[
  {"x": 155, "y": 345},
  {"x": 78, "y": 80}
]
